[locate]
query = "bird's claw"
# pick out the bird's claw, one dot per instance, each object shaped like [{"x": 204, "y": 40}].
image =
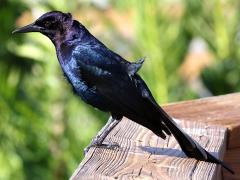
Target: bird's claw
[
  {"x": 112, "y": 146},
  {"x": 86, "y": 149}
]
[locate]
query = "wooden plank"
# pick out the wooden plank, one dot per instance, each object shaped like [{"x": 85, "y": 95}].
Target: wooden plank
[
  {"x": 232, "y": 157},
  {"x": 220, "y": 110},
  {"x": 143, "y": 155}
]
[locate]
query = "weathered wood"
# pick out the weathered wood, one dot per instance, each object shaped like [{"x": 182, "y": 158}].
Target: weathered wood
[
  {"x": 220, "y": 110},
  {"x": 232, "y": 157},
  {"x": 143, "y": 155}
]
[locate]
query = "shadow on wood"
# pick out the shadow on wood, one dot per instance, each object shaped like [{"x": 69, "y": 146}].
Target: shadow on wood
[
  {"x": 143, "y": 155},
  {"x": 165, "y": 160}
]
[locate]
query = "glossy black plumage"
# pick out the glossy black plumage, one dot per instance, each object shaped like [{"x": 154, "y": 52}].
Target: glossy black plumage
[{"x": 108, "y": 82}]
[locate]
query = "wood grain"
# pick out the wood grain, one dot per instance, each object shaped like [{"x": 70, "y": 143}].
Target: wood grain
[
  {"x": 219, "y": 110},
  {"x": 143, "y": 155},
  {"x": 232, "y": 157}
]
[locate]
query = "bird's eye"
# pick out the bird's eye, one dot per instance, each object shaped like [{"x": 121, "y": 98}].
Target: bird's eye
[{"x": 47, "y": 24}]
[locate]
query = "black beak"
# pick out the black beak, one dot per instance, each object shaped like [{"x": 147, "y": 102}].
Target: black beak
[{"x": 29, "y": 28}]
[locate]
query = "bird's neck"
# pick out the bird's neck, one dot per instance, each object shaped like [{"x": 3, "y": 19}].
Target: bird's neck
[
  {"x": 64, "y": 52},
  {"x": 77, "y": 34}
]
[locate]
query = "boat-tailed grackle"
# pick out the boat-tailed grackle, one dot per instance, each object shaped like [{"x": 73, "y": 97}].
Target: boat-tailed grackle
[{"x": 108, "y": 82}]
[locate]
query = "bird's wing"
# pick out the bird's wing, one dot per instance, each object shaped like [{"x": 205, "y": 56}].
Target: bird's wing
[
  {"x": 133, "y": 68},
  {"x": 129, "y": 96},
  {"x": 108, "y": 57},
  {"x": 113, "y": 82}
]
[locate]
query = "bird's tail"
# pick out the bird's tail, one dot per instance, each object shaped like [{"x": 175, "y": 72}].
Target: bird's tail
[
  {"x": 161, "y": 124},
  {"x": 189, "y": 146}
]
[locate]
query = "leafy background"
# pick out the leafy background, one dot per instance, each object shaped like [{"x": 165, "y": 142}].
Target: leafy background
[{"x": 191, "y": 49}]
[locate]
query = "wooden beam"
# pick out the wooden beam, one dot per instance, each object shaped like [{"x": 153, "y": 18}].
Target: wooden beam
[
  {"x": 143, "y": 155},
  {"x": 219, "y": 110},
  {"x": 232, "y": 157}
]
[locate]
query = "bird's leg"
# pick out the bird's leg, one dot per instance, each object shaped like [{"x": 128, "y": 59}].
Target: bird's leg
[{"x": 102, "y": 134}]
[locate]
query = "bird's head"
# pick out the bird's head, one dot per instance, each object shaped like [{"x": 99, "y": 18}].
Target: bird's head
[{"x": 54, "y": 25}]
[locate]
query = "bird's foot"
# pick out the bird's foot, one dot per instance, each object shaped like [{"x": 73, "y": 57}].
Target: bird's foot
[{"x": 112, "y": 146}]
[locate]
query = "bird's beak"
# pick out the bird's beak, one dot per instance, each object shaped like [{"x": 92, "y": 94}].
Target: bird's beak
[{"x": 29, "y": 28}]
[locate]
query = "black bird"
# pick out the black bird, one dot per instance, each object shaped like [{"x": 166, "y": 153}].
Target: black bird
[{"x": 108, "y": 82}]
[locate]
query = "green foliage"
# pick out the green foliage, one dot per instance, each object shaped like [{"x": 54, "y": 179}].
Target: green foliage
[
  {"x": 222, "y": 77},
  {"x": 44, "y": 127}
]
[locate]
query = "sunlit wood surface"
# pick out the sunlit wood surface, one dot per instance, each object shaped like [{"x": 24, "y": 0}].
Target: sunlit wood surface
[{"x": 145, "y": 156}]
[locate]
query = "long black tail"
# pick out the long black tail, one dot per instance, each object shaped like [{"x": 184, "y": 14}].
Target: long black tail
[
  {"x": 189, "y": 146},
  {"x": 154, "y": 113}
]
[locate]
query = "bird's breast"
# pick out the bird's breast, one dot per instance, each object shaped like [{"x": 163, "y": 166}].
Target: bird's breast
[
  {"x": 72, "y": 72},
  {"x": 73, "y": 75}
]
